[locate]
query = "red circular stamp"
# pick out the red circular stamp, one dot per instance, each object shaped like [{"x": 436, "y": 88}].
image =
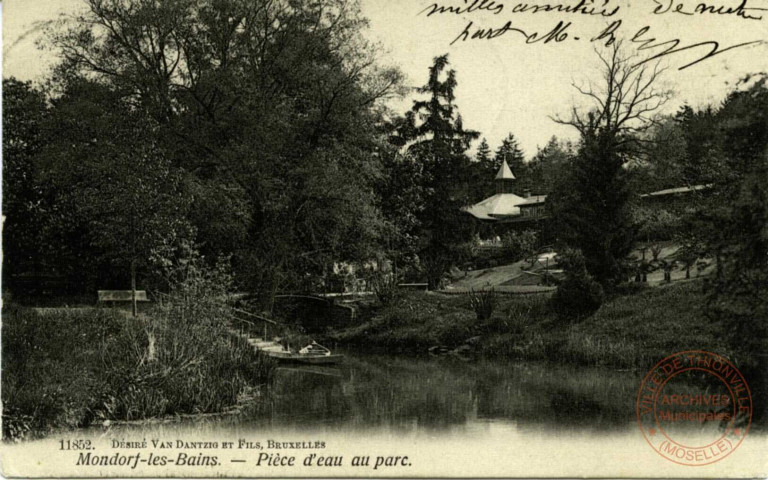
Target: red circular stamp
[{"x": 694, "y": 408}]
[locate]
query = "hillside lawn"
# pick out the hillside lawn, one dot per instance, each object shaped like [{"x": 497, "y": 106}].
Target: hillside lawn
[
  {"x": 522, "y": 273},
  {"x": 632, "y": 330}
]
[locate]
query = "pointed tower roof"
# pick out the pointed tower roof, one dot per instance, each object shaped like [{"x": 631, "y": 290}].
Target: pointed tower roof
[{"x": 504, "y": 172}]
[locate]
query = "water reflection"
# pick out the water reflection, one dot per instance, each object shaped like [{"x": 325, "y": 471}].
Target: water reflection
[{"x": 436, "y": 394}]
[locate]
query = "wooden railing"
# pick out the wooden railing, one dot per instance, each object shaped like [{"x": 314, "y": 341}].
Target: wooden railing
[
  {"x": 253, "y": 327},
  {"x": 256, "y": 325}
]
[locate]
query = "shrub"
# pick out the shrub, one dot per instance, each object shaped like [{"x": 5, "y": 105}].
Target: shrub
[
  {"x": 518, "y": 315},
  {"x": 482, "y": 303},
  {"x": 519, "y": 245},
  {"x": 579, "y": 295},
  {"x": 454, "y": 328},
  {"x": 630, "y": 288},
  {"x": 385, "y": 288},
  {"x": 518, "y": 318}
]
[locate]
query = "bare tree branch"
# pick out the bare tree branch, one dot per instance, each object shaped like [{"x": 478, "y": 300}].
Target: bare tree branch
[{"x": 624, "y": 103}]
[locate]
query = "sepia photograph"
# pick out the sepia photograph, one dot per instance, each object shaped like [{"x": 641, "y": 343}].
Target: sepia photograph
[{"x": 384, "y": 238}]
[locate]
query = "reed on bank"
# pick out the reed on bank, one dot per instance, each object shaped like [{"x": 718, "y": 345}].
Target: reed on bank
[{"x": 67, "y": 368}]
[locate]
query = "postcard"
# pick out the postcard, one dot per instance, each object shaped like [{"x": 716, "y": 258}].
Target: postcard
[{"x": 397, "y": 239}]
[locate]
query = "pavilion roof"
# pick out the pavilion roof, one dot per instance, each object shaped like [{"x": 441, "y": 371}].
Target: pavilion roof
[
  {"x": 498, "y": 206},
  {"x": 505, "y": 173}
]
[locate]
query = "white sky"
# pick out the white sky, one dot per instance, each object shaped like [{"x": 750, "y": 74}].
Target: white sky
[{"x": 504, "y": 84}]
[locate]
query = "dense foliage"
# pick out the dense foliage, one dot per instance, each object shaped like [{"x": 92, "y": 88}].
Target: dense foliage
[{"x": 248, "y": 127}]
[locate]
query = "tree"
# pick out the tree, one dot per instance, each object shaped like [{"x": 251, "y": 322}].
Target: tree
[
  {"x": 664, "y": 158},
  {"x": 592, "y": 208},
  {"x": 434, "y": 135},
  {"x": 483, "y": 154},
  {"x": 701, "y": 162},
  {"x": 739, "y": 237},
  {"x": 548, "y": 166},
  {"x": 482, "y": 172},
  {"x": 690, "y": 250},
  {"x": 738, "y": 233},
  {"x": 510, "y": 151},
  {"x": 122, "y": 196},
  {"x": 268, "y": 110},
  {"x": 402, "y": 196},
  {"x": 136, "y": 209},
  {"x": 25, "y": 202}
]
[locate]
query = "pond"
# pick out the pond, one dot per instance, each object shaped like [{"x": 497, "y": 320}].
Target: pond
[
  {"x": 446, "y": 393},
  {"x": 441, "y": 416}
]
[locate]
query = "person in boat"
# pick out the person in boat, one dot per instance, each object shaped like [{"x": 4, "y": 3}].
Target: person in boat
[{"x": 314, "y": 348}]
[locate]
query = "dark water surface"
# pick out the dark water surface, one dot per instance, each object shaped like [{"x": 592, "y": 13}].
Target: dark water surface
[
  {"x": 444, "y": 393},
  {"x": 450, "y": 418}
]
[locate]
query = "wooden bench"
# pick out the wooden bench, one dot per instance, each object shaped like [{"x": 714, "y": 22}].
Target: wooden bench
[{"x": 121, "y": 296}]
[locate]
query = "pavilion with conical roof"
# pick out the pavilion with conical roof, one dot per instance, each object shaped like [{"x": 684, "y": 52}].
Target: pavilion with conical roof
[{"x": 503, "y": 205}]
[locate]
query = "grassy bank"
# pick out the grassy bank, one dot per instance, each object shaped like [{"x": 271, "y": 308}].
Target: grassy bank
[
  {"x": 66, "y": 368},
  {"x": 631, "y": 330}
]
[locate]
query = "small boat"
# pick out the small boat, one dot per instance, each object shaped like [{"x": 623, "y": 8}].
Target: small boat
[
  {"x": 313, "y": 353},
  {"x": 305, "y": 369}
]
